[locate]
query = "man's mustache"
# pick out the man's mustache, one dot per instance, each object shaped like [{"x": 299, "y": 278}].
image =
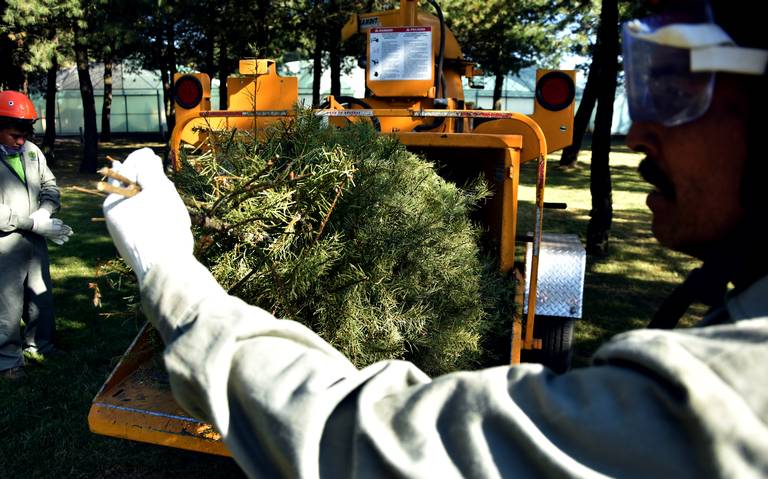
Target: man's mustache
[{"x": 651, "y": 173}]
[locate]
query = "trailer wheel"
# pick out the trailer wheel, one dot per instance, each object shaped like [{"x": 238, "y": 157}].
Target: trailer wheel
[{"x": 556, "y": 334}]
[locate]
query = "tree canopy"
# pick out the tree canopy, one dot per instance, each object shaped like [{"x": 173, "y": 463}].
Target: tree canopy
[{"x": 503, "y": 36}]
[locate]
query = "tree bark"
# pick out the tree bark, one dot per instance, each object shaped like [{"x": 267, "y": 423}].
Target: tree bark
[
  {"x": 497, "y": 88},
  {"x": 210, "y": 59},
  {"x": 166, "y": 81},
  {"x": 88, "y": 163},
  {"x": 317, "y": 69},
  {"x": 601, "y": 214},
  {"x": 335, "y": 54},
  {"x": 12, "y": 76},
  {"x": 223, "y": 73},
  {"x": 49, "y": 139},
  {"x": 106, "y": 107},
  {"x": 334, "y": 49},
  {"x": 583, "y": 115},
  {"x": 170, "y": 63},
  {"x": 262, "y": 28}
]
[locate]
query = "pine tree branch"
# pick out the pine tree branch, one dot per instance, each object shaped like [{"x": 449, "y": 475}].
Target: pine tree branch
[
  {"x": 207, "y": 222},
  {"x": 339, "y": 191},
  {"x": 249, "y": 187},
  {"x": 258, "y": 175}
]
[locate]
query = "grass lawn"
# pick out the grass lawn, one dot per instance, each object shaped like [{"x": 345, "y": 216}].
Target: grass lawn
[
  {"x": 45, "y": 417},
  {"x": 622, "y": 290}
]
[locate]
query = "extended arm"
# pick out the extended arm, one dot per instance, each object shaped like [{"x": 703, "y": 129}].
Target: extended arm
[{"x": 288, "y": 404}]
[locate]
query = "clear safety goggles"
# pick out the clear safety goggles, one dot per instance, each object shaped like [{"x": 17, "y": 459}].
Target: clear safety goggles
[{"x": 670, "y": 63}]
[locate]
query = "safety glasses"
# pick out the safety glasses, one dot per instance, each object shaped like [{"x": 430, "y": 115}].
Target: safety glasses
[{"x": 670, "y": 62}]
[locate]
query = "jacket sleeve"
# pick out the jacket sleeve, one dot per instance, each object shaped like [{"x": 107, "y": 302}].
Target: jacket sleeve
[
  {"x": 10, "y": 221},
  {"x": 50, "y": 196},
  {"x": 288, "y": 404}
]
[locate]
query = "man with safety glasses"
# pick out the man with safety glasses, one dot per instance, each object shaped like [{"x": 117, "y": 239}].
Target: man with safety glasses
[
  {"x": 655, "y": 403},
  {"x": 697, "y": 100},
  {"x": 28, "y": 198}
]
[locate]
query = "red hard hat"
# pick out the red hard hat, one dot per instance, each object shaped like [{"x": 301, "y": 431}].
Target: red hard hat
[{"x": 17, "y": 105}]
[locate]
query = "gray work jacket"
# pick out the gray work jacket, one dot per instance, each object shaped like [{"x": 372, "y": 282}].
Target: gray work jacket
[
  {"x": 17, "y": 199},
  {"x": 685, "y": 403}
]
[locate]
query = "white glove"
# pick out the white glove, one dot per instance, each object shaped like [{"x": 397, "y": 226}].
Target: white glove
[
  {"x": 154, "y": 225},
  {"x": 55, "y": 230},
  {"x": 52, "y": 228},
  {"x": 60, "y": 239},
  {"x": 40, "y": 215}
]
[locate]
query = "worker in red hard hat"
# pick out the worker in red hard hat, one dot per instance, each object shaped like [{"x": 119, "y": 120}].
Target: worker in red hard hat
[
  {"x": 28, "y": 198},
  {"x": 653, "y": 404}
]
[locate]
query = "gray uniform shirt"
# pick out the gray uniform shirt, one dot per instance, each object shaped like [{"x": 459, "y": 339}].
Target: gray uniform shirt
[
  {"x": 688, "y": 403},
  {"x": 18, "y": 200}
]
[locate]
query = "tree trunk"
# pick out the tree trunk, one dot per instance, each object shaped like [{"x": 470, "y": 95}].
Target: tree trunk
[
  {"x": 210, "y": 58},
  {"x": 317, "y": 69},
  {"x": 167, "y": 100},
  {"x": 583, "y": 115},
  {"x": 12, "y": 76},
  {"x": 88, "y": 163},
  {"x": 165, "y": 78},
  {"x": 170, "y": 62},
  {"x": 262, "y": 28},
  {"x": 49, "y": 139},
  {"x": 223, "y": 73},
  {"x": 334, "y": 49},
  {"x": 106, "y": 107},
  {"x": 497, "y": 88},
  {"x": 601, "y": 215}
]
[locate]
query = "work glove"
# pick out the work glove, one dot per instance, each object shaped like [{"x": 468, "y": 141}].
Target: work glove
[
  {"x": 40, "y": 214},
  {"x": 52, "y": 228},
  {"x": 59, "y": 233},
  {"x": 153, "y": 225},
  {"x": 62, "y": 238}
]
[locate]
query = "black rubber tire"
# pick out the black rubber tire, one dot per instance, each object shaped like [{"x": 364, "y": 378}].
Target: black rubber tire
[{"x": 556, "y": 334}]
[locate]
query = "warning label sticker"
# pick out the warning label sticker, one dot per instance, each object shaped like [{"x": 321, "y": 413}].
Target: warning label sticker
[{"x": 403, "y": 53}]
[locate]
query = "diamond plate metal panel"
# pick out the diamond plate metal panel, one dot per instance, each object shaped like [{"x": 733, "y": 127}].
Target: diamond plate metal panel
[{"x": 560, "y": 286}]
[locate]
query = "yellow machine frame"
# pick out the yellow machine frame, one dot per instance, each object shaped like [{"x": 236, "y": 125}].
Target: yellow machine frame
[{"x": 497, "y": 145}]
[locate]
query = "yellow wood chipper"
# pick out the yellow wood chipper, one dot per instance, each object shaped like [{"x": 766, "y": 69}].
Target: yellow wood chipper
[{"x": 414, "y": 71}]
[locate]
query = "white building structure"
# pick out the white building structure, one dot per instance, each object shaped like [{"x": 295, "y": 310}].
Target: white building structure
[{"x": 137, "y": 96}]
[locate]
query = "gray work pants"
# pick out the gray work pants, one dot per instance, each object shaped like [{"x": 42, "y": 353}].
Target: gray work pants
[{"x": 25, "y": 294}]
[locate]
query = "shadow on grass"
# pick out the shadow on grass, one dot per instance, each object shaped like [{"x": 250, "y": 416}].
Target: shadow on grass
[
  {"x": 623, "y": 289},
  {"x": 68, "y": 155},
  {"x": 624, "y": 177},
  {"x": 44, "y": 417}
]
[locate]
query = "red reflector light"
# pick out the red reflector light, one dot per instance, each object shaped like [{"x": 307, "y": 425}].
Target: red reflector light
[
  {"x": 555, "y": 91},
  {"x": 188, "y": 91}
]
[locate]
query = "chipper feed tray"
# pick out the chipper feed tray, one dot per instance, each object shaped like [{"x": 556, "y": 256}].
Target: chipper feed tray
[{"x": 136, "y": 403}]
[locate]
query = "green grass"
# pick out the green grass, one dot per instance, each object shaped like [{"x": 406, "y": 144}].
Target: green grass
[
  {"x": 622, "y": 290},
  {"x": 45, "y": 418}
]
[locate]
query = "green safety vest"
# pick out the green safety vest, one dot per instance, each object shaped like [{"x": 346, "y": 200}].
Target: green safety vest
[{"x": 14, "y": 161}]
